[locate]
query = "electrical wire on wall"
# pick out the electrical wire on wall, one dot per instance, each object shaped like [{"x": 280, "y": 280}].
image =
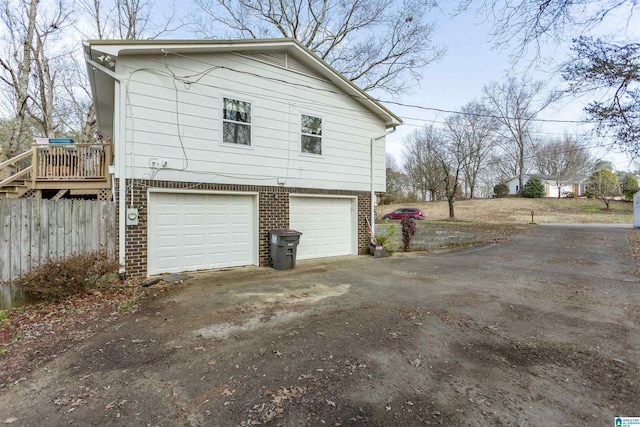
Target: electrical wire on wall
[
  {"x": 316, "y": 103},
  {"x": 188, "y": 80},
  {"x": 365, "y": 97}
]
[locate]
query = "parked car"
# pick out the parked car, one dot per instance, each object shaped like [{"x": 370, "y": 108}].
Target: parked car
[{"x": 405, "y": 213}]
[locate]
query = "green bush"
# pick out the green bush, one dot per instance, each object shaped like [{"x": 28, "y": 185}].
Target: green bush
[
  {"x": 533, "y": 188},
  {"x": 605, "y": 185},
  {"x": 385, "y": 239},
  {"x": 501, "y": 190},
  {"x": 629, "y": 186},
  {"x": 59, "y": 279}
]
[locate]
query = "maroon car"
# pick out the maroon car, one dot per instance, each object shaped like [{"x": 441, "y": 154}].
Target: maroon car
[{"x": 405, "y": 213}]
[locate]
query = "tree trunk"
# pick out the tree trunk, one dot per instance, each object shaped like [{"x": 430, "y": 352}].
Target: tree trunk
[
  {"x": 88, "y": 130},
  {"x": 521, "y": 163},
  {"x": 22, "y": 82}
]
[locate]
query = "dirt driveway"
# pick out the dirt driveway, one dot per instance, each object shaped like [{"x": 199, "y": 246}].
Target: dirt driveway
[{"x": 541, "y": 330}]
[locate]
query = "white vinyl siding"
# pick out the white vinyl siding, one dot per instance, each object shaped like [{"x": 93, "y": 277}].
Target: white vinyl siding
[
  {"x": 183, "y": 138},
  {"x": 194, "y": 231},
  {"x": 328, "y": 226}
]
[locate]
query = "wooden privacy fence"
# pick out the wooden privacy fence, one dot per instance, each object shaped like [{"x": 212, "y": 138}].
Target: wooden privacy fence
[{"x": 33, "y": 232}]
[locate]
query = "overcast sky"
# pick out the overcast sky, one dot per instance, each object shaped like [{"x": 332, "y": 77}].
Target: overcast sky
[{"x": 471, "y": 63}]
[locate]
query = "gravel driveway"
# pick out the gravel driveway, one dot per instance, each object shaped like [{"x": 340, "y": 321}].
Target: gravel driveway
[{"x": 543, "y": 329}]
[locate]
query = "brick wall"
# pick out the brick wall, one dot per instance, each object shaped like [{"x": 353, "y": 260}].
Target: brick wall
[{"x": 273, "y": 214}]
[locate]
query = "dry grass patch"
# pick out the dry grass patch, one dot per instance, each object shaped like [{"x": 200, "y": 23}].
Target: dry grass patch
[{"x": 517, "y": 210}]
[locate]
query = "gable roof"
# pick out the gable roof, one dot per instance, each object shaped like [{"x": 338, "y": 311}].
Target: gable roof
[{"x": 106, "y": 53}]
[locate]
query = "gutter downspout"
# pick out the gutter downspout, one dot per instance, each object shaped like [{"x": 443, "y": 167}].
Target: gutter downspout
[
  {"x": 120, "y": 95},
  {"x": 373, "y": 193}
]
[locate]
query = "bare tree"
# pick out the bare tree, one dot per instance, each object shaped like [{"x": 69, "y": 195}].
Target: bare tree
[
  {"x": 20, "y": 21},
  {"x": 504, "y": 167},
  {"x": 475, "y": 131},
  {"x": 32, "y": 71},
  {"x": 451, "y": 157},
  {"x": 516, "y": 103},
  {"x": 126, "y": 19},
  {"x": 605, "y": 60},
  {"x": 562, "y": 159},
  {"x": 45, "y": 87},
  {"x": 121, "y": 19},
  {"x": 523, "y": 24},
  {"x": 49, "y": 64},
  {"x": 377, "y": 44},
  {"x": 396, "y": 182},
  {"x": 424, "y": 172}
]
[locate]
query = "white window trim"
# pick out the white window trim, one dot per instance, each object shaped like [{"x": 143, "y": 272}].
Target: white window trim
[
  {"x": 300, "y": 134},
  {"x": 223, "y": 120}
]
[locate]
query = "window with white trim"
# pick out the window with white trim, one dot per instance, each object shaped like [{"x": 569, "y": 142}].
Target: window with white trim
[
  {"x": 310, "y": 134},
  {"x": 236, "y": 122}
]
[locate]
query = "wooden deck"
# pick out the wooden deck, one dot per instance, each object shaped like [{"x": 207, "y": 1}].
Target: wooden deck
[{"x": 77, "y": 168}]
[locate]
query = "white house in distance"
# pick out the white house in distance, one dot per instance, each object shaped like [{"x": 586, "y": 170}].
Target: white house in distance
[
  {"x": 219, "y": 141},
  {"x": 575, "y": 186}
]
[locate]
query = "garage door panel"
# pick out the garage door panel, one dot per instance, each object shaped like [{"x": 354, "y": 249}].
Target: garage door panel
[
  {"x": 327, "y": 225},
  {"x": 167, "y": 219},
  {"x": 201, "y": 231},
  {"x": 194, "y": 220}
]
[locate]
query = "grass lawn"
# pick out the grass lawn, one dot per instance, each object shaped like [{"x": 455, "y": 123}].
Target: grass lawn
[{"x": 517, "y": 210}]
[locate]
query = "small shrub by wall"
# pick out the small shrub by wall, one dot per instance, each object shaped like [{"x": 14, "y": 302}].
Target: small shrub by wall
[
  {"x": 501, "y": 190},
  {"x": 59, "y": 279}
]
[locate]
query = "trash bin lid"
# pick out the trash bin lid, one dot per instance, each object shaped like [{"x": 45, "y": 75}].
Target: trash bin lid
[{"x": 285, "y": 232}]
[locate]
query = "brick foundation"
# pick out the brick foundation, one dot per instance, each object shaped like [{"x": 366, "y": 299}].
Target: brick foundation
[{"x": 273, "y": 214}]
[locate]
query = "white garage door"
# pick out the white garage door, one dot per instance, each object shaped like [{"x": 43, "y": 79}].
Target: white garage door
[
  {"x": 327, "y": 226},
  {"x": 195, "y": 231}
]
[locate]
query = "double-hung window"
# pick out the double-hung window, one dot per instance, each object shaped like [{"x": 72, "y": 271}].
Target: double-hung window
[
  {"x": 236, "y": 122},
  {"x": 311, "y": 134}
]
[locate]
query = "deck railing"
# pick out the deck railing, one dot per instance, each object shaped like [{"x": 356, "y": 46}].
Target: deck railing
[
  {"x": 71, "y": 162},
  {"x": 58, "y": 166}
]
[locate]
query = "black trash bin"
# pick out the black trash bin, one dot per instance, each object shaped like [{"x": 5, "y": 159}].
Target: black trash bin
[{"x": 284, "y": 245}]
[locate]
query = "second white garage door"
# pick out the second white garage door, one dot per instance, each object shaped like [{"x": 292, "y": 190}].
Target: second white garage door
[
  {"x": 328, "y": 226},
  {"x": 195, "y": 231}
]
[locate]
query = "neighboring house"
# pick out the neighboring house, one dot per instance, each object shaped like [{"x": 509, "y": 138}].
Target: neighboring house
[
  {"x": 219, "y": 141},
  {"x": 567, "y": 186}
]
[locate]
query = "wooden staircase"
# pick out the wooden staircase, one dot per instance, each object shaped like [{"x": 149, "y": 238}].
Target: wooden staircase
[{"x": 12, "y": 176}]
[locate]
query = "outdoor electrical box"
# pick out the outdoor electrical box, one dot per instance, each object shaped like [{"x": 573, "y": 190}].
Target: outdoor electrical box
[
  {"x": 132, "y": 216},
  {"x": 284, "y": 246}
]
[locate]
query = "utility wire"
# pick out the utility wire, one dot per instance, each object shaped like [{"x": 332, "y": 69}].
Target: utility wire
[{"x": 382, "y": 101}]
